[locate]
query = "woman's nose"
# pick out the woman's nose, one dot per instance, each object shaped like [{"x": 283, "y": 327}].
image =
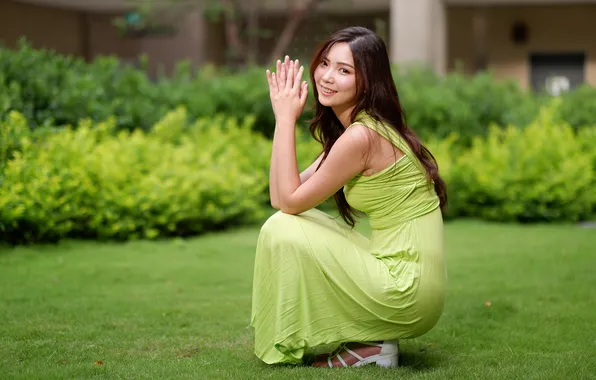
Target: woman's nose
[{"x": 328, "y": 76}]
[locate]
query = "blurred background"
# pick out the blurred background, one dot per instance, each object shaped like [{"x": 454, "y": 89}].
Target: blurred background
[
  {"x": 501, "y": 91},
  {"x": 528, "y": 40}
]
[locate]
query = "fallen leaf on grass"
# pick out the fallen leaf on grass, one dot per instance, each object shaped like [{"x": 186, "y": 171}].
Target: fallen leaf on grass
[{"x": 99, "y": 362}]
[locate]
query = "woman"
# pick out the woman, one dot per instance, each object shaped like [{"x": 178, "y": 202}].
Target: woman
[{"x": 317, "y": 282}]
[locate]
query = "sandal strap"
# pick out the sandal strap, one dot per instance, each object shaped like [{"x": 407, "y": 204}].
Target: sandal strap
[
  {"x": 354, "y": 354},
  {"x": 341, "y": 360},
  {"x": 373, "y": 344}
]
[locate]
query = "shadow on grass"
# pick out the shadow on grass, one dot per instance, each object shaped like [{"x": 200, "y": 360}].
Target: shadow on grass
[
  {"x": 421, "y": 360},
  {"x": 414, "y": 360}
]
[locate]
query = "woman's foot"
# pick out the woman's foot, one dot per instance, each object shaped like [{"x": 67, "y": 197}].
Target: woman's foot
[{"x": 356, "y": 354}]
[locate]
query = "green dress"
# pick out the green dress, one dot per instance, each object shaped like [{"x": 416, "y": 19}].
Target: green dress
[{"x": 318, "y": 282}]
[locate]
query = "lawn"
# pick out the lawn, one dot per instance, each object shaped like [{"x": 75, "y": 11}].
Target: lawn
[{"x": 521, "y": 305}]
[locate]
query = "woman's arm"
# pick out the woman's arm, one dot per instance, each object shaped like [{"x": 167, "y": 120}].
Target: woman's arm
[
  {"x": 344, "y": 162},
  {"x": 273, "y": 198},
  {"x": 304, "y": 176},
  {"x": 308, "y": 172}
]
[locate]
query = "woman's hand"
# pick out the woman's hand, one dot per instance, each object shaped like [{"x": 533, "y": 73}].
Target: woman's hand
[{"x": 288, "y": 94}]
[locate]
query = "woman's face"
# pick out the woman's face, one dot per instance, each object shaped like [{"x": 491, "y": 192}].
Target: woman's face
[{"x": 335, "y": 77}]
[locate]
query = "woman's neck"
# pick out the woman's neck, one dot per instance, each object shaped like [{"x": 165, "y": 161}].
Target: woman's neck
[{"x": 344, "y": 115}]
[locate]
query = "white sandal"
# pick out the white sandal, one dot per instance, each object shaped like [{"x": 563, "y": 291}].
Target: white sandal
[{"x": 388, "y": 357}]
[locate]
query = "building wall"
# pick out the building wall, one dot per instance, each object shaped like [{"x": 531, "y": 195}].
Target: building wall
[
  {"x": 91, "y": 34},
  {"x": 57, "y": 29},
  {"x": 315, "y": 29},
  {"x": 552, "y": 28},
  {"x": 196, "y": 41}
]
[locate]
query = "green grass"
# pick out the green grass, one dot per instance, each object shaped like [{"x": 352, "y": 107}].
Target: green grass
[{"x": 180, "y": 309}]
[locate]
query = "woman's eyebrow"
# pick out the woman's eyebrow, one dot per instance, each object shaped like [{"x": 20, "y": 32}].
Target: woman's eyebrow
[
  {"x": 346, "y": 64},
  {"x": 340, "y": 63}
]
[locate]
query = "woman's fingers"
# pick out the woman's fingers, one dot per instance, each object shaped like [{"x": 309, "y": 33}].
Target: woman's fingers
[
  {"x": 290, "y": 76},
  {"x": 303, "y": 94},
  {"x": 268, "y": 74},
  {"x": 283, "y": 74},
  {"x": 298, "y": 77},
  {"x": 275, "y": 79}
]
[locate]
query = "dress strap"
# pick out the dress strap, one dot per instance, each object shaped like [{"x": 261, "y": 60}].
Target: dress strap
[{"x": 390, "y": 134}]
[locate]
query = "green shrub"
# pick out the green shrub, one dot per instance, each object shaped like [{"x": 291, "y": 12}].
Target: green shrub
[
  {"x": 539, "y": 173},
  {"x": 51, "y": 89},
  {"x": 578, "y": 107},
  {"x": 90, "y": 182},
  {"x": 12, "y": 135},
  {"x": 445, "y": 152},
  {"x": 460, "y": 104},
  {"x": 587, "y": 138}
]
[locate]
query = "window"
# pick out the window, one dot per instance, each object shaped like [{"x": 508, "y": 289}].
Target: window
[{"x": 556, "y": 73}]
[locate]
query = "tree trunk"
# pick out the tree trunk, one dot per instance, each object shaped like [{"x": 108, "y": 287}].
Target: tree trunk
[
  {"x": 252, "y": 29},
  {"x": 236, "y": 50},
  {"x": 296, "y": 15}
]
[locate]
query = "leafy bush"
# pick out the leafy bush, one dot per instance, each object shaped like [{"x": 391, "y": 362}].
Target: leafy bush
[
  {"x": 460, "y": 104},
  {"x": 539, "y": 173},
  {"x": 12, "y": 135},
  {"x": 445, "y": 152},
  {"x": 90, "y": 182},
  {"x": 587, "y": 137},
  {"x": 50, "y": 89},
  {"x": 578, "y": 107}
]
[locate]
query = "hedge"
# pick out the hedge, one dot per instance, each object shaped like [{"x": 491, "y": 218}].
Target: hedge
[
  {"x": 544, "y": 172},
  {"x": 51, "y": 89},
  {"x": 186, "y": 176}
]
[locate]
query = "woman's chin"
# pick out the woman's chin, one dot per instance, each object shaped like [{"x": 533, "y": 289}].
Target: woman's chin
[{"x": 324, "y": 100}]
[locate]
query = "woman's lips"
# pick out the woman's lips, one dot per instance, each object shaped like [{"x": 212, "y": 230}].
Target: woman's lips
[{"x": 327, "y": 91}]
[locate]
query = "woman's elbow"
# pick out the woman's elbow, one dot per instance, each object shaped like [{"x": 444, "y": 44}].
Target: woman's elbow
[{"x": 290, "y": 210}]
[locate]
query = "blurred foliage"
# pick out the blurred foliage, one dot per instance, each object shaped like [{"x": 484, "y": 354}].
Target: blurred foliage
[
  {"x": 465, "y": 105},
  {"x": 189, "y": 176},
  {"x": 541, "y": 173},
  {"x": 100, "y": 151},
  {"x": 178, "y": 179},
  {"x": 181, "y": 178},
  {"x": 51, "y": 89}
]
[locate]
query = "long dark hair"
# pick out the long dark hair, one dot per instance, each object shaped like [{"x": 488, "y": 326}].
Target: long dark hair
[{"x": 376, "y": 94}]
